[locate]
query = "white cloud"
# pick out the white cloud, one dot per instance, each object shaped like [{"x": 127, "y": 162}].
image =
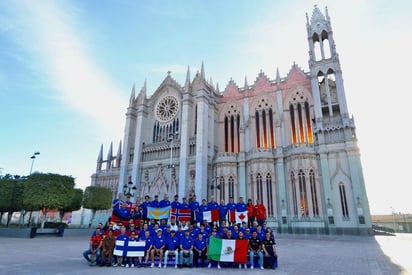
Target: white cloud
[{"x": 63, "y": 57}]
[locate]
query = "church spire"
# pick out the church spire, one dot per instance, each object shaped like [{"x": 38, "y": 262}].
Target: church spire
[
  {"x": 109, "y": 156},
  {"x": 119, "y": 154},
  {"x": 202, "y": 72},
  {"x": 132, "y": 96},
  {"x": 277, "y": 77},
  {"x": 187, "y": 83},
  {"x": 100, "y": 159}
]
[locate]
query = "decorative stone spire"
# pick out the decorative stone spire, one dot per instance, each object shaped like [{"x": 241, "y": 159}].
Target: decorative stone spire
[
  {"x": 277, "y": 77},
  {"x": 246, "y": 86},
  {"x": 187, "y": 83},
  {"x": 99, "y": 160},
  {"x": 119, "y": 154},
  {"x": 100, "y": 156},
  {"x": 202, "y": 72},
  {"x": 132, "y": 96}
]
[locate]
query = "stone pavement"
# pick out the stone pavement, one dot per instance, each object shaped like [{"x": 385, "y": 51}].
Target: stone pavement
[{"x": 298, "y": 254}]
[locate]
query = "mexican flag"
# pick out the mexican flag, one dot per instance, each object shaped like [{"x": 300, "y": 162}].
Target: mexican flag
[{"x": 228, "y": 250}]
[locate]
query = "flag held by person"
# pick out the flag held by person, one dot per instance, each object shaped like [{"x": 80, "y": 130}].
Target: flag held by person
[
  {"x": 135, "y": 249},
  {"x": 180, "y": 214},
  {"x": 228, "y": 250},
  {"x": 120, "y": 249},
  {"x": 211, "y": 215},
  {"x": 241, "y": 216},
  {"x": 158, "y": 213}
]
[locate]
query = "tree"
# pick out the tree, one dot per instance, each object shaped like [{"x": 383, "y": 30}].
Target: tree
[
  {"x": 48, "y": 191},
  {"x": 75, "y": 203},
  {"x": 97, "y": 198},
  {"x": 11, "y": 191}
]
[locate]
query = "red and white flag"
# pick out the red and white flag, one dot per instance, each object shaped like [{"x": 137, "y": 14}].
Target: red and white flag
[
  {"x": 211, "y": 215},
  {"x": 241, "y": 216}
]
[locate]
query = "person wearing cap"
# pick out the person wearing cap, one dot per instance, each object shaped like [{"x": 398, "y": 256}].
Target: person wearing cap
[
  {"x": 122, "y": 237},
  {"x": 186, "y": 248},
  {"x": 172, "y": 246},
  {"x": 180, "y": 233},
  {"x": 199, "y": 250},
  {"x": 147, "y": 238},
  {"x": 158, "y": 246},
  {"x": 130, "y": 261}
]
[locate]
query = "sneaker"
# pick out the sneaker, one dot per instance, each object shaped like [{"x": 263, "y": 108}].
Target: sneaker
[
  {"x": 115, "y": 264},
  {"x": 175, "y": 266},
  {"x": 152, "y": 265},
  {"x": 218, "y": 266},
  {"x": 132, "y": 265},
  {"x": 262, "y": 267},
  {"x": 160, "y": 265},
  {"x": 127, "y": 265},
  {"x": 251, "y": 267},
  {"x": 123, "y": 265},
  {"x": 245, "y": 266},
  {"x": 209, "y": 265},
  {"x": 240, "y": 266}
]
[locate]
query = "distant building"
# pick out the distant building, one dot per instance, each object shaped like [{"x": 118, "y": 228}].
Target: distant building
[{"x": 289, "y": 142}]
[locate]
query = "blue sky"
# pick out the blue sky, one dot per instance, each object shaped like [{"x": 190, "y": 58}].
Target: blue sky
[{"x": 67, "y": 69}]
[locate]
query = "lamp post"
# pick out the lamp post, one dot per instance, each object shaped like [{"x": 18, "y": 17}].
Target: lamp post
[
  {"x": 33, "y": 157},
  {"x": 170, "y": 139},
  {"x": 129, "y": 189}
]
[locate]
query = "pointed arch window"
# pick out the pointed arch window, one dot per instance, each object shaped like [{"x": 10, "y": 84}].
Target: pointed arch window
[
  {"x": 231, "y": 187},
  {"x": 308, "y": 123},
  {"x": 314, "y": 194},
  {"x": 292, "y": 120},
  {"x": 301, "y": 130},
  {"x": 232, "y": 129},
  {"x": 257, "y": 129},
  {"x": 272, "y": 132},
  {"x": 222, "y": 188},
  {"x": 269, "y": 195},
  {"x": 259, "y": 187},
  {"x": 343, "y": 200},
  {"x": 294, "y": 194},
  {"x": 303, "y": 194},
  {"x": 326, "y": 45}
]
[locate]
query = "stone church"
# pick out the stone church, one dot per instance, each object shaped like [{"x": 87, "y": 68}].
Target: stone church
[{"x": 289, "y": 142}]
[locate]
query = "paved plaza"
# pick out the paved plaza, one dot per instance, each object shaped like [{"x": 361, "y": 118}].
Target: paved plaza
[{"x": 298, "y": 254}]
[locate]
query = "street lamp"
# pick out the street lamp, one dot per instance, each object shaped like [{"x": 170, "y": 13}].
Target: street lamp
[
  {"x": 33, "y": 157},
  {"x": 129, "y": 189},
  {"x": 170, "y": 139}
]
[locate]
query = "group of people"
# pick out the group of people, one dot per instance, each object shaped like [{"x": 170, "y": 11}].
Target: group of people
[{"x": 186, "y": 239}]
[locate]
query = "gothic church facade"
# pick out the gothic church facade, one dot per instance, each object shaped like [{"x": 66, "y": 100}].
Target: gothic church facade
[{"x": 289, "y": 142}]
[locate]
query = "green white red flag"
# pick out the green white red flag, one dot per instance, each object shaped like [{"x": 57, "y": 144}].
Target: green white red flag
[{"x": 228, "y": 250}]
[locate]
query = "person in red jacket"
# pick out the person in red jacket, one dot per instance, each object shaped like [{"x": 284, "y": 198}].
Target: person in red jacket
[
  {"x": 260, "y": 210},
  {"x": 251, "y": 212}
]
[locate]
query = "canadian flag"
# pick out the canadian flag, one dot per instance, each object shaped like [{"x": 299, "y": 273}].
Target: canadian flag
[{"x": 241, "y": 216}]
